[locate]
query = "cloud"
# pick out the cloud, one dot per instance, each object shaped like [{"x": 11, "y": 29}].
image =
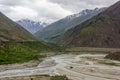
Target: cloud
[
  {"x": 47, "y": 10},
  {"x": 40, "y": 10},
  {"x": 17, "y": 14},
  {"x": 78, "y": 5},
  {"x": 50, "y": 10}
]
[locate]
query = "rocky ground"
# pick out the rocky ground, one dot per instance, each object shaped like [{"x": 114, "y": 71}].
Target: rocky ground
[
  {"x": 76, "y": 67},
  {"x": 114, "y": 56},
  {"x": 28, "y": 78},
  {"x": 19, "y": 66}
]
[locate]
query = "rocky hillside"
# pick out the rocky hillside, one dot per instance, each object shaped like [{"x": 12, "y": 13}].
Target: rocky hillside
[
  {"x": 11, "y": 31},
  {"x": 58, "y": 28},
  {"x": 102, "y": 30}
]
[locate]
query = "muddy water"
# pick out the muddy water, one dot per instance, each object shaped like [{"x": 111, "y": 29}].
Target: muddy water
[{"x": 76, "y": 67}]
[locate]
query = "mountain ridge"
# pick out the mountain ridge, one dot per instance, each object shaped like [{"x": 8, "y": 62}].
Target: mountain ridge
[
  {"x": 31, "y": 26},
  {"x": 11, "y": 31},
  {"x": 58, "y": 28},
  {"x": 103, "y": 30}
]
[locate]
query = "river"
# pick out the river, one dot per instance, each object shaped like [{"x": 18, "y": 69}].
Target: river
[{"x": 76, "y": 67}]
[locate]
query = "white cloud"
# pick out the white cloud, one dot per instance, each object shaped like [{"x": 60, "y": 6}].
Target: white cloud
[
  {"x": 19, "y": 12},
  {"x": 47, "y": 10},
  {"x": 78, "y": 5},
  {"x": 41, "y": 10}
]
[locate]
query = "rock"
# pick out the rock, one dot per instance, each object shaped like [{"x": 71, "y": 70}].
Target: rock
[{"x": 113, "y": 56}]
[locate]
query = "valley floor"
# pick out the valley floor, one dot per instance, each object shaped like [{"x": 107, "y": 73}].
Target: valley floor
[
  {"x": 28, "y": 78},
  {"x": 85, "y": 66}
]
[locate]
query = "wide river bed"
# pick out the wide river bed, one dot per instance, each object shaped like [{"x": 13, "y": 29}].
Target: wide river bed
[{"x": 76, "y": 67}]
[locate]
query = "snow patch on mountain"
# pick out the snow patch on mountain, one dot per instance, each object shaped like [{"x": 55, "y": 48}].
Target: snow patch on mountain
[{"x": 31, "y": 26}]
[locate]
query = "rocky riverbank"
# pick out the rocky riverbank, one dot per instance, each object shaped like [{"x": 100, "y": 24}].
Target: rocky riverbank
[
  {"x": 28, "y": 78},
  {"x": 76, "y": 67}
]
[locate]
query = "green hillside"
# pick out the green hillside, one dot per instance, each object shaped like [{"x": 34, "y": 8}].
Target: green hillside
[{"x": 17, "y": 45}]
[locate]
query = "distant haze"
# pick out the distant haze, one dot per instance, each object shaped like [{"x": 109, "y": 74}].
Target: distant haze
[{"x": 48, "y": 10}]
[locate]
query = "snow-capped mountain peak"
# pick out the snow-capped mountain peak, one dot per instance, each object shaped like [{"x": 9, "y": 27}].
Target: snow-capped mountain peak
[
  {"x": 31, "y": 26},
  {"x": 82, "y": 13}
]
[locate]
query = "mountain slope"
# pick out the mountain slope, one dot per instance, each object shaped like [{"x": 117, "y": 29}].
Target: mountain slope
[
  {"x": 102, "y": 30},
  {"x": 58, "y": 28},
  {"x": 31, "y": 26},
  {"x": 10, "y": 30}
]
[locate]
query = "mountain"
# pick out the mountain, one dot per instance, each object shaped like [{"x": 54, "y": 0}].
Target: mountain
[
  {"x": 103, "y": 30},
  {"x": 11, "y": 31},
  {"x": 58, "y": 28},
  {"x": 17, "y": 45},
  {"x": 31, "y": 26}
]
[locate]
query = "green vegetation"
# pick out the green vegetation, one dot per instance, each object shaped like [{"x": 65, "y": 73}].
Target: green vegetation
[
  {"x": 18, "y": 52},
  {"x": 2, "y": 30},
  {"x": 87, "y": 31},
  {"x": 109, "y": 63},
  {"x": 59, "y": 78}
]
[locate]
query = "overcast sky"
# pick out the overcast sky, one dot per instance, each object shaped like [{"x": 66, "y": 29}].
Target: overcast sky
[{"x": 48, "y": 10}]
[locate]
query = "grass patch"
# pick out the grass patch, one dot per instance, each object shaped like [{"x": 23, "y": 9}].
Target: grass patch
[
  {"x": 109, "y": 63},
  {"x": 2, "y": 30},
  {"x": 59, "y": 78},
  {"x": 19, "y": 52}
]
